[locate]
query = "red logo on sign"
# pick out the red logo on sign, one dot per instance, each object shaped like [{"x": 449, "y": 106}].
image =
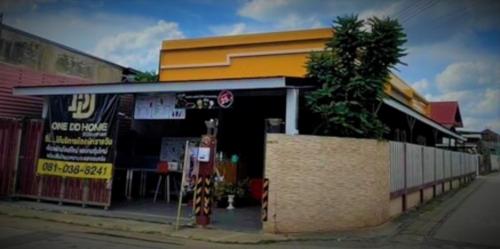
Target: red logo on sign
[{"x": 225, "y": 99}]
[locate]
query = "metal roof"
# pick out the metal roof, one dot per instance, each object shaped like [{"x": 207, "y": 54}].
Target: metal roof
[
  {"x": 204, "y": 85},
  {"x": 152, "y": 87},
  {"x": 446, "y": 113},
  {"x": 403, "y": 108}
]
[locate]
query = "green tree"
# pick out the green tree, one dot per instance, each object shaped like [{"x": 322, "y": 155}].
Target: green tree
[
  {"x": 351, "y": 74},
  {"x": 147, "y": 76}
]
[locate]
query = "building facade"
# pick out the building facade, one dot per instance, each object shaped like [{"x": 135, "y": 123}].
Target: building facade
[{"x": 262, "y": 76}]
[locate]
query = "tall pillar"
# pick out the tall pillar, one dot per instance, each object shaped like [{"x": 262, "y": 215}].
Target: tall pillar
[
  {"x": 204, "y": 184},
  {"x": 292, "y": 111},
  {"x": 45, "y": 107}
]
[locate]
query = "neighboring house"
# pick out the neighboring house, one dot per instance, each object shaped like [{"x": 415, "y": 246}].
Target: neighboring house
[
  {"x": 487, "y": 144},
  {"x": 447, "y": 113},
  {"x": 27, "y": 59}
]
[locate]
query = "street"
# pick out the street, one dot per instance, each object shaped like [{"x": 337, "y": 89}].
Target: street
[
  {"x": 473, "y": 221},
  {"x": 477, "y": 220}
]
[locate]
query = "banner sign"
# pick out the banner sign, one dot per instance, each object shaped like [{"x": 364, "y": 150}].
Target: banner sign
[
  {"x": 157, "y": 107},
  {"x": 79, "y": 136},
  {"x": 205, "y": 101}
]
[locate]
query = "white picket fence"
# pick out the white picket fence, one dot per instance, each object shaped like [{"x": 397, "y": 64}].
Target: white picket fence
[{"x": 426, "y": 165}]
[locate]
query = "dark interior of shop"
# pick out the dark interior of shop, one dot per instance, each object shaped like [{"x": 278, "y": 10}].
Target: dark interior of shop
[{"x": 241, "y": 132}]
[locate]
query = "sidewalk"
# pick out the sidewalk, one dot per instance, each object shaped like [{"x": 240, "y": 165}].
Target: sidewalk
[{"x": 416, "y": 225}]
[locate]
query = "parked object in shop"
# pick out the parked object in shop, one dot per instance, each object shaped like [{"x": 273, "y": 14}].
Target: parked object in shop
[{"x": 225, "y": 189}]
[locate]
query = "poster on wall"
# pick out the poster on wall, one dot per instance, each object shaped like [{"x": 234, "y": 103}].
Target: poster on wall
[
  {"x": 172, "y": 150},
  {"x": 79, "y": 136},
  {"x": 157, "y": 107}
]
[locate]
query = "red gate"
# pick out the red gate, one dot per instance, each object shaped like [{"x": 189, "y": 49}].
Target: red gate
[
  {"x": 54, "y": 188},
  {"x": 10, "y": 136}
]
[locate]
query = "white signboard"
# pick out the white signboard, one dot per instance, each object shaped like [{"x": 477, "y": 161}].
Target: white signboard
[{"x": 157, "y": 107}]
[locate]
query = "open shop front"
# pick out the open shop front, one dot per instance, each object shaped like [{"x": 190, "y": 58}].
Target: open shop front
[
  {"x": 151, "y": 149},
  {"x": 151, "y": 153}
]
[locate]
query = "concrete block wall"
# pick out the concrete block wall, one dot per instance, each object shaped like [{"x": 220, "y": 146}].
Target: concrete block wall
[{"x": 326, "y": 183}]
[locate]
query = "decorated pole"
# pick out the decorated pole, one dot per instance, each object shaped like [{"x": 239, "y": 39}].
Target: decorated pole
[{"x": 204, "y": 183}]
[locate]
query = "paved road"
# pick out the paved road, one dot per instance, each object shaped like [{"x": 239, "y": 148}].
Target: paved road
[
  {"x": 477, "y": 219},
  {"x": 468, "y": 219},
  {"x": 24, "y": 233}
]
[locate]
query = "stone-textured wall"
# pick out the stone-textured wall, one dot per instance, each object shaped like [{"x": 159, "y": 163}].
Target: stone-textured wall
[
  {"x": 428, "y": 194},
  {"x": 18, "y": 48},
  {"x": 413, "y": 200},
  {"x": 326, "y": 183},
  {"x": 396, "y": 207}
]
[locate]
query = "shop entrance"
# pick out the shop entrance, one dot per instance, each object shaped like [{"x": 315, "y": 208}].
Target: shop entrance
[{"x": 140, "y": 187}]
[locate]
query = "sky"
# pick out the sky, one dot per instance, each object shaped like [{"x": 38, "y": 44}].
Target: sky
[{"x": 453, "y": 45}]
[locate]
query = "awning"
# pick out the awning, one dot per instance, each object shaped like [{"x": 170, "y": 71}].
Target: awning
[
  {"x": 402, "y": 108},
  {"x": 138, "y": 87}
]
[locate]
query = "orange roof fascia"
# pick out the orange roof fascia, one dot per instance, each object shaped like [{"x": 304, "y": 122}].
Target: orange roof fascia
[{"x": 296, "y": 35}]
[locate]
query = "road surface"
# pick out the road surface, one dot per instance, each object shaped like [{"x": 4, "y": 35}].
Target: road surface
[
  {"x": 472, "y": 222},
  {"x": 477, "y": 219}
]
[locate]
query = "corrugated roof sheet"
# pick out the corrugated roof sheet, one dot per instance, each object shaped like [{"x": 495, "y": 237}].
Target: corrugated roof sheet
[{"x": 26, "y": 106}]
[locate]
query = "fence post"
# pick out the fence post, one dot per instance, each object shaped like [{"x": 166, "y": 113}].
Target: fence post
[
  {"x": 405, "y": 190},
  {"x": 443, "y": 170},
  {"x": 62, "y": 191},
  {"x": 435, "y": 175},
  {"x": 451, "y": 170},
  {"x": 85, "y": 192},
  {"x": 422, "y": 172},
  {"x": 16, "y": 162},
  {"x": 459, "y": 169}
]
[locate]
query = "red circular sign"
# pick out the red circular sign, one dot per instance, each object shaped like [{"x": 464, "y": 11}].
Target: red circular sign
[{"x": 225, "y": 99}]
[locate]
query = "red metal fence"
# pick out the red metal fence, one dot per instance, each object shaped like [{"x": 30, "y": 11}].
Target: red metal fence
[
  {"x": 10, "y": 132},
  {"x": 27, "y": 179},
  {"x": 54, "y": 188}
]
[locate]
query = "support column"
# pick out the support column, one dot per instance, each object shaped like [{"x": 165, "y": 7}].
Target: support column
[
  {"x": 292, "y": 111},
  {"x": 45, "y": 107}
]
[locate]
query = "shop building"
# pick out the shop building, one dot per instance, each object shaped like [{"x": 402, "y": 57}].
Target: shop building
[{"x": 253, "y": 85}]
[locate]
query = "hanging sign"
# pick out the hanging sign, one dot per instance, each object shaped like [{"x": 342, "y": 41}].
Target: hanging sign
[
  {"x": 157, "y": 107},
  {"x": 205, "y": 101},
  {"x": 79, "y": 136}
]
